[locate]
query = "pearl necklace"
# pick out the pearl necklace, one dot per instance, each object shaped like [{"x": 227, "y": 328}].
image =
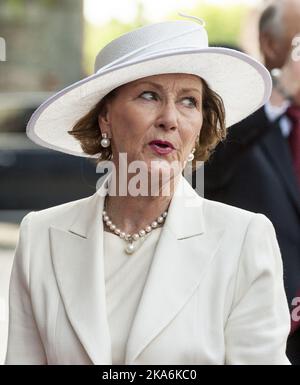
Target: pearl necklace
[{"x": 132, "y": 238}]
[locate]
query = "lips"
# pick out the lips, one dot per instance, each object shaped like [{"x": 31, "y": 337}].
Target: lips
[{"x": 161, "y": 147}]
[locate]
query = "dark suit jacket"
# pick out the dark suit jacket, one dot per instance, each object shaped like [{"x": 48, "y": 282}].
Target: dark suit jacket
[{"x": 252, "y": 169}]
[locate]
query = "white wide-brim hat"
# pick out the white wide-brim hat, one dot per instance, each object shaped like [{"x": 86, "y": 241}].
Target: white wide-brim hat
[{"x": 167, "y": 47}]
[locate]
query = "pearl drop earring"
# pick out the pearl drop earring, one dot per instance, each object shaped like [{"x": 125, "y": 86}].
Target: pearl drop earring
[
  {"x": 105, "y": 141},
  {"x": 191, "y": 155}
]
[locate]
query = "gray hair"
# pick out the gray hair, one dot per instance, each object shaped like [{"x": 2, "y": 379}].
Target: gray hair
[{"x": 271, "y": 19}]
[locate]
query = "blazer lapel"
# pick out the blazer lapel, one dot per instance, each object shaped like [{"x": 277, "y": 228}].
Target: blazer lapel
[
  {"x": 181, "y": 260},
  {"x": 78, "y": 263},
  {"x": 277, "y": 149}
]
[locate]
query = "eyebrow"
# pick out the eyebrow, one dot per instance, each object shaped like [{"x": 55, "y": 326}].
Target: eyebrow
[{"x": 161, "y": 87}]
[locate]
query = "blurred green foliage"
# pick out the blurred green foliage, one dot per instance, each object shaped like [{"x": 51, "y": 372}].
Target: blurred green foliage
[{"x": 223, "y": 24}]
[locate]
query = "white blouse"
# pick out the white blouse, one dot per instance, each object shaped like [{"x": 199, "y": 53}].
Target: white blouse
[{"x": 125, "y": 277}]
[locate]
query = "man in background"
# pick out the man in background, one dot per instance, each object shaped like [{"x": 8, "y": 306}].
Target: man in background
[{"x": 258, "y": 166}]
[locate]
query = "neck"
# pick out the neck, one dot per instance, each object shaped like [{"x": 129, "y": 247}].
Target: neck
[
  {"x": 276, "y": 99},
  {"x": 133, "y": 213}
]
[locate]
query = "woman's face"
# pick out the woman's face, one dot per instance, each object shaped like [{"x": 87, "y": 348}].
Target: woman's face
[{"x": 156, "y": 118}]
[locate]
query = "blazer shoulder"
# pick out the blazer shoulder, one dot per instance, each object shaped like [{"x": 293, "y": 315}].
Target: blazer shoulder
[
  {"x": 62, "y": 213},
  {"x": 228, "y": 216}
]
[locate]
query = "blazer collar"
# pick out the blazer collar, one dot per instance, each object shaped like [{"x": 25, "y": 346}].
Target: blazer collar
[
  {"x": 89, "y": 216},
  {"x": 185, "y": 215},
  {"x": 77, "y": 254},
  {"x": 182, "y": 219}
]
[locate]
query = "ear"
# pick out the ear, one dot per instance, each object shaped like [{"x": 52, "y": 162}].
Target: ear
[
  {"x": 268, "y": 46},
  {"x": 104, "y": 120}
]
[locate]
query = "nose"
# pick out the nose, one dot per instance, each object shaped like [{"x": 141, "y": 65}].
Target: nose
[{"x": 168, "y": 117}]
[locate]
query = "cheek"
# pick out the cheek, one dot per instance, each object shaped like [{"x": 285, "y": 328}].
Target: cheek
[
  {"x": 189, "y": 135},
  {"x": 129, "y": 130},
  {"x": 134, "y": 117}
]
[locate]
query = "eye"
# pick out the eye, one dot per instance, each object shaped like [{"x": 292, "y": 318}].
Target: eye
[
  {"x": 151, "y": 95},
  {"x": 192, "y": 100}
]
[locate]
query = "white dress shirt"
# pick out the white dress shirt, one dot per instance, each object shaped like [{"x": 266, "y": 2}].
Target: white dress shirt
[{"x": 273, "y": 112}]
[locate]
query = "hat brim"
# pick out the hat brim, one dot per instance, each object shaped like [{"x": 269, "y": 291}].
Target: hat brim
[{"x": 242, "y": 82}]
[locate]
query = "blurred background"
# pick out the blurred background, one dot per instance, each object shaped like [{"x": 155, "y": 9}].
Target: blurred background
[{"x": 45, "y": 46}]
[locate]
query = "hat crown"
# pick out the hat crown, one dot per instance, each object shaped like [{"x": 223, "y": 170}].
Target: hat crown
[{"x": 150, "y": 40}]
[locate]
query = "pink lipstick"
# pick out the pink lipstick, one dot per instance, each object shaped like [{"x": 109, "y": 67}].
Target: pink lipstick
[{"x": 161, "y": 147}]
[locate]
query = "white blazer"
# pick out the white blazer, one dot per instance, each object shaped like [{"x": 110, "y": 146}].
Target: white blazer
[{"x": 214, "y": 294}]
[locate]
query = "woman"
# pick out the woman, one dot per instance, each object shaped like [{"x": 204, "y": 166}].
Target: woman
[{"x": 145, "y": 271}]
